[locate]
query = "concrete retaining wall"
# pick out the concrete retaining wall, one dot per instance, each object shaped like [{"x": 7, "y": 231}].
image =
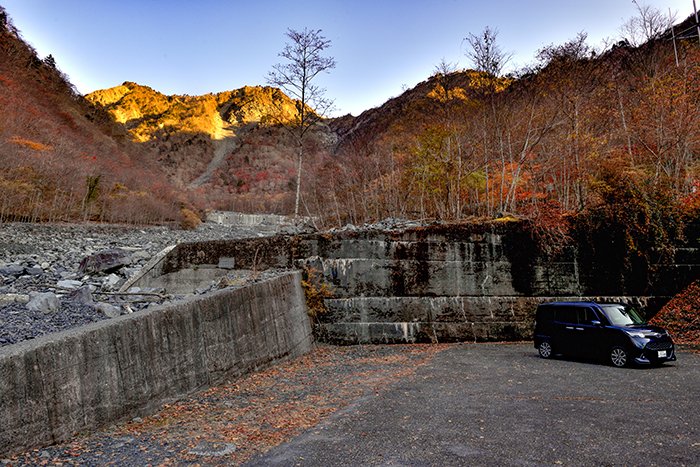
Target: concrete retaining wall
[
  {"x": 391, "y": 320},
  {"x": 445, "y": 282},
  {"x": 248, "y": 220},
  {"x": 254, "y": 220},
  {"x": 74, "y": 381},
  {"x": 461, "y": 283}
]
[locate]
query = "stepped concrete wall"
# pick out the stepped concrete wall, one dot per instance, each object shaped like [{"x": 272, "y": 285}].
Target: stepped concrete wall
[
  {"x": 248, "y": 220},
  {"x": 254, "y": 220},
  {"x": 75, "y": 381},
  {"x": 473, "y": 283},
  {"x": 469, "y": 282}
]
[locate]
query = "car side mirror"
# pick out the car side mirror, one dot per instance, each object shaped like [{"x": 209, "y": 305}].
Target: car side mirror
[{"x": 595, "y": 322}]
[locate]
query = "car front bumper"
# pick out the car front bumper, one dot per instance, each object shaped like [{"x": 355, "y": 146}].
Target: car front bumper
[{"x": 655, "y": 356}]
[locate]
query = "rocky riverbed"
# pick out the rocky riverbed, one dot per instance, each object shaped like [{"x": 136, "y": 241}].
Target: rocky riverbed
[{"x": 58, "y": 276}]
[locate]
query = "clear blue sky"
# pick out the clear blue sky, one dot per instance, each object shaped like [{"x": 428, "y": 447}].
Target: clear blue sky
[{"x": 380, "y": 46}]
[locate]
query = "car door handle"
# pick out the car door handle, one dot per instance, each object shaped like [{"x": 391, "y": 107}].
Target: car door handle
[
  {"x": 579, "y": 329},
  {"x": 570, "y": 327}
]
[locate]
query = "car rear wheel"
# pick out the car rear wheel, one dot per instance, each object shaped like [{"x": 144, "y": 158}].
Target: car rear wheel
[
  {"x": 545, "y": 349},
  {"x": 618, "y": 357}
]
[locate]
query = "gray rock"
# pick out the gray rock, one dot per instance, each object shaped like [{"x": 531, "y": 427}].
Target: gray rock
[
  {"x": 105, "y": 261},
  {"x": 203, "y": 289},
  {"x": 108, "y": 310},
  {"x": 128, "y": 272},
  {"x": 69, "y": 284},
  {"x": 12, "y": 270},
  {"x": 44, "y": 302},
  {"x": 34, "y": 271},
  {"x": 81, "y": 295},
  {"x": 110, "y": 282},
  {"x": 13, "y": 298},
  {"x": 140, "y": 255}
]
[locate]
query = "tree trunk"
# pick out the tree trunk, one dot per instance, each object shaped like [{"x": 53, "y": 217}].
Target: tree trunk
[{"x": 298, "y": 195}]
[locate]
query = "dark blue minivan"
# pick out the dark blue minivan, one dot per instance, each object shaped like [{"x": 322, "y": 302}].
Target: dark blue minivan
[{"x": 613, "y": 332}]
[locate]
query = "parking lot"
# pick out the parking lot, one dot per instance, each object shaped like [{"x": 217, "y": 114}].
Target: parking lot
[
  {"x": 500, "y": 404},
  {"x": 454, "y": 404}
]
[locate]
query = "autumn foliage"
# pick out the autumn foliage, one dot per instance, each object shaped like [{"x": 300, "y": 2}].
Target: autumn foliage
[
  {"x": 551, "y": 142},
  {"x": 681, "y": 316},
  {"x": 63, "y": 159},
  {"x": 468, "y": 144}
]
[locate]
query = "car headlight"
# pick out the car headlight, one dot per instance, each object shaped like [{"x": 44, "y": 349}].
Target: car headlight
[{"x": 635, "y": 334}]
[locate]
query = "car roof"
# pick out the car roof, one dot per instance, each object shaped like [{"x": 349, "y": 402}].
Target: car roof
[
  {"x": 568, "y": 303},
  {"x": 579, "y": 303}
]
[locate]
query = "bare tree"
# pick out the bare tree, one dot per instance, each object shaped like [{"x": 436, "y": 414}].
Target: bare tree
[
  {"x": 487, "y": 57},
  {"x": 485, "y": 53},
  {"x": 304, "y": 61},
  {"x": 649, "y": 24}
]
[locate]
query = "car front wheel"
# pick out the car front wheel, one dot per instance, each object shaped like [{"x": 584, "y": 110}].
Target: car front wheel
[
  {"x": 545, "y": 349},
  {"x": 618, "y": 357}
]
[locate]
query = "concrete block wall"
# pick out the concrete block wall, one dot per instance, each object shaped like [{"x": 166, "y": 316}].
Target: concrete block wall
[
  {"x": 75, "y": 381},
  {"x": 390, "y": 320},
  {"x": 249, "y": 220},
  {"x": 441, "y": 283},
  {"x": 467, "y": 283},
  {"x": 252, "y": 220},
  {"x": 476, "y": 261}
]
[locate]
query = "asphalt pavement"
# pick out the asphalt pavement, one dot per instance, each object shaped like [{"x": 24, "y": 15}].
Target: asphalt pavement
[{"x": 500, "y": 404}]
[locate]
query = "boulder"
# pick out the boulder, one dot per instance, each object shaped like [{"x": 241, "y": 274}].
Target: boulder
[
  {"x": 81, "y": 295},
  {"x": 105, "y": 261},
  {"x": 110, "y": 282},
  {"x": 34, "y": 271},
  {"x": 12, "y": 270},
  {"x": 110, "y": 311},
  {"x": 44, "y": 302},
  {"x": 69, "y": 284},
  {"x": 6, "y": 298}
]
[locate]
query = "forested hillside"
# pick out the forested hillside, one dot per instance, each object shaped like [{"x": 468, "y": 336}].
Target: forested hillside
[
  {"x": 581, "y": 137},
  {"x": 569, "y": 133},
  {"x": 63, "y": 159},
  {"x": 228, "y": 150}
]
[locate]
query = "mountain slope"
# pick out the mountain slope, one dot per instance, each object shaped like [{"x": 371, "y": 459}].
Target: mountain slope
[
  {"x": 232, "y": 148},
  {"x": 560, "y": 138},
  {"x": 62, "y": 158},
  {"x": 194, "y": 135},
  {"x": 146, "y": 113}
]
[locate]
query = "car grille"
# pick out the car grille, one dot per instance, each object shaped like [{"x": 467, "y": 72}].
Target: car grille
[{"x": 659, "y": 346}]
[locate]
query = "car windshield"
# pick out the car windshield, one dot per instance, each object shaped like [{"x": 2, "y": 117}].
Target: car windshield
[{"x": 620, "y": 315}]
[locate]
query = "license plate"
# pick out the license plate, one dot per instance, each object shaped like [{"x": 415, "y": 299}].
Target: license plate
[{"x": 662, "y": 354}]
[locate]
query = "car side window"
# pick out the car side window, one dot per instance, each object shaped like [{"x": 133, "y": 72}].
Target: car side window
[
  {"x": 545, "y": 314},
  {"x": 566, "y": 314},
  {"x": 586, "y": 315},
  {"x": 600, "y": 316}
]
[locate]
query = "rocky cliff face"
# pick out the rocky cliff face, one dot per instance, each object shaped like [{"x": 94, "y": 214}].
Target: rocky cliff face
[
  {"x": 148, "y": 113},
  {"x": 227, "y": 142}
]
